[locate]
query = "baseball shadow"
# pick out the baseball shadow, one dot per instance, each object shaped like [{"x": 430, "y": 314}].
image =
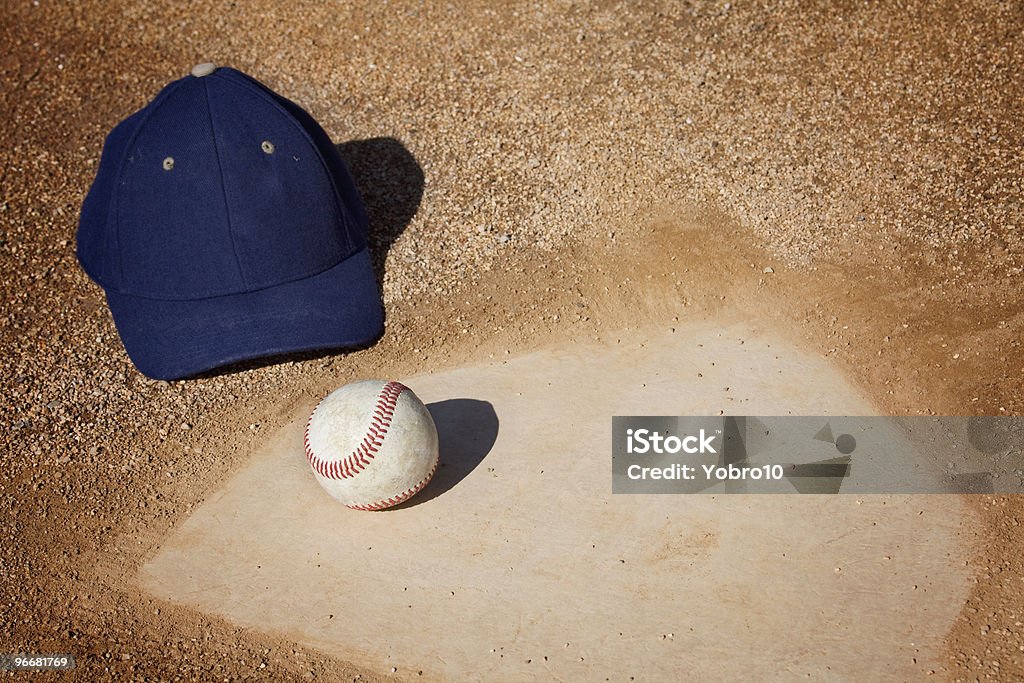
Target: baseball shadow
[{"x": 466, "y": 432}]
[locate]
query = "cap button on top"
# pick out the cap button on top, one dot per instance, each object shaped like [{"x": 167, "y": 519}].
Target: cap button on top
[{"x": 204, "y": 69}]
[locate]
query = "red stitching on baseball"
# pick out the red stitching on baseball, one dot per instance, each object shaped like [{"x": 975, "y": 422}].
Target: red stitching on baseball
[
  {"x": 400, "y": 498},
  {"x": 358, "y": 459}
]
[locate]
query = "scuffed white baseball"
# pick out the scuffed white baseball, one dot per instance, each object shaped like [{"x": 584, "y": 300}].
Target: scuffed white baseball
[{"x": 372, "y": 444}]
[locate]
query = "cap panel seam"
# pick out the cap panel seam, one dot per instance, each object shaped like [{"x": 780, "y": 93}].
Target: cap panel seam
[
  {"x": 243, "y": 82},
  {"x": 223, "y": 189},
  {"x": 150, "y": 296},
  {"x": 354, "y": 247},
  {"x": 149, "y": 109}
]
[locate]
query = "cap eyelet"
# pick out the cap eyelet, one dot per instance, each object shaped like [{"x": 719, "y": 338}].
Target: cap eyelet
[
  {"x": 267, "y": 146},
  {"x": 169, "y": 163}
]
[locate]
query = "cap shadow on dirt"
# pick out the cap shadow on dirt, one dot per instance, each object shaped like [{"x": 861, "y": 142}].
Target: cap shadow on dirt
[
  {"x": 466, "y": 430},
  {"x": 390, "y": 182}
]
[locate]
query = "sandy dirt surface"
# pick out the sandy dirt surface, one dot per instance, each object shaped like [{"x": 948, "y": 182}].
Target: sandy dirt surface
[
  {"x": 519, "y": 563},
  {"x": 537, "y": 176}
]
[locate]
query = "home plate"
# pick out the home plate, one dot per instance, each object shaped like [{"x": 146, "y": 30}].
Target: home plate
[{"x": 518, "y": 563}]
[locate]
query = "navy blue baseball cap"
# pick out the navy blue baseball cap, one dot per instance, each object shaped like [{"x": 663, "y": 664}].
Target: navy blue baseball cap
[{"x": 223, "y": 227}]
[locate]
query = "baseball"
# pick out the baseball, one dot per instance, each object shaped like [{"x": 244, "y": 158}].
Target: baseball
[{"x": 372, "y": 444}]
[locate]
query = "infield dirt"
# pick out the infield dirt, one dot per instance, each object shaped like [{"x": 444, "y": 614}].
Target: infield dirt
[
  {"x": 542, "y": 177},
  {"x": 518, "y": 563}
]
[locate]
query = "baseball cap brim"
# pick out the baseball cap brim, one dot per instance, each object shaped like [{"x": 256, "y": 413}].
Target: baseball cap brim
[{"x": 337, "y": 308}]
